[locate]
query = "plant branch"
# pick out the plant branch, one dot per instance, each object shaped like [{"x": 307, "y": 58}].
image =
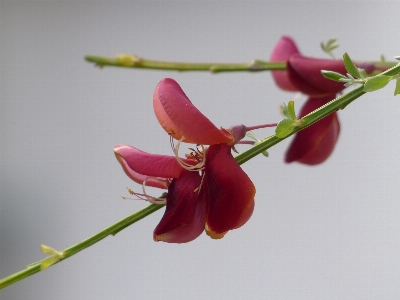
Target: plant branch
[
  {"x": 256, "y": 65},
  {"x": 334, "y": 105},
  {"x": 68, "y": 252},
  {"x": 131, "y": 61}
]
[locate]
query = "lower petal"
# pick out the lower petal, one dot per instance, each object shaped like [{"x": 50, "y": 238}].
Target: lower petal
[
  {"x": 156, "y": 165},
  {"x": 184, "y": 216},
  {"x": 228, "y": 190},
  {"x": 315, "y": 144}
]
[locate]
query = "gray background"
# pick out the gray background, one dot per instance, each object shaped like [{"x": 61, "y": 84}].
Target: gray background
[{"x": 327, "y": 232}]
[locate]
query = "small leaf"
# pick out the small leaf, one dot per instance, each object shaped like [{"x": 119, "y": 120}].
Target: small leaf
[
  {"x": 285, "y": 110},
  {"x": 291, "y": 111},
  {"x": 349, "y": 83},
  {"x": 397, "y": 57},
  {"x": 330, "y": 42},
  {"x": 363, "y": 74},
  {"x": 332, "y": 75},
  {"x": 284, "y": 128},
  {"x": 350, "y": 67},
  {"x": 376, "y": 83},
  {"x": 397, "y": 89}
]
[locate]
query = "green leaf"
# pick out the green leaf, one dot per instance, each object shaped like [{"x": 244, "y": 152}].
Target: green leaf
[
  {"x": 397, "y": 57},
  {"x": 397, "y": 89},
  {"x": 350, "y": 66},
  {"x": 332, "y": 75},
  {"x": 291, "y": 111},
  {"x": 284, "y": 128},
  {"x": 330, "y": 42},
  {"x": 376, "y": 83},
  {"x": 363, "y": 74},
  {"x": 285, "y": 110}
]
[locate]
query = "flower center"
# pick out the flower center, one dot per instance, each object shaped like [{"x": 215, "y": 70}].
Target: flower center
[{"x": 198, "y": 156}]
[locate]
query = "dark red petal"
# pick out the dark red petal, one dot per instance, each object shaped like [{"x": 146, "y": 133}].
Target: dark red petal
[
  {"x": 314, "y": 144},
  {"x": 184, "y": 216},
  {"x": 148, "y": 164},
  {"x": 179, "y": 117},
  {"x": 305, "y": 74},
  {"x": 228, "y": 190},
  {"x": 282, "y": 51}
]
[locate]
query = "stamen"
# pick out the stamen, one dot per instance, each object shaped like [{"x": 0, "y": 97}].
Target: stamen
[
  {"x": 199, "y": 156},
  {"x": 145, "y": 197}
]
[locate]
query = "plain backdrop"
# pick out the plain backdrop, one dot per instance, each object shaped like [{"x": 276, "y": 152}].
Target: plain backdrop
[{"x": 325, "y": 232}]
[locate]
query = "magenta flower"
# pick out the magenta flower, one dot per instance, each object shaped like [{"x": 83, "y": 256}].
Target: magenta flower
[
  {"x": 314, "y": 144},
  {"x": 207, "y": 190},
  {"x": 304, "y": 73}
]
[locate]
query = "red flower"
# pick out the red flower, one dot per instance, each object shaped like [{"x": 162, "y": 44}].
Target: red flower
[
  {"x": 304, "y": 73},
  {"x": 314, "y": 144},
  {"x": 207, "y": 189}
]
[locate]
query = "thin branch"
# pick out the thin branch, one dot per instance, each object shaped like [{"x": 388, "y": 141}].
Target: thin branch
[{"x": 131, "y": 61}]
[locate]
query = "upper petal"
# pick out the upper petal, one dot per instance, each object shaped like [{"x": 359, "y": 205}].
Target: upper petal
[
  {"x": 180, "y": 118},
  {"x": 136, "y": 162},
  {"x": 282, "y": 51},
  {"x": 184, "y": 216},
  {"x": 228, "y": 190},
  {"x": 315, "y": 144},
  {"x": 305, "y": 74}
]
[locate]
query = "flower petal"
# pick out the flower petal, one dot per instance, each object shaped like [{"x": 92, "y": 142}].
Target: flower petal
[
  {"x": 315, "y": 144},
  {"x": 180, "y": 118},
  {"x": 305, "y": 74},
  {"x": 285, "y": 48},
  {"x": 184, "y": 216},
  {"x": 228, "y": 190},
  {"x": 140, "y": 178},
  {"x": 136, "y": 162}
]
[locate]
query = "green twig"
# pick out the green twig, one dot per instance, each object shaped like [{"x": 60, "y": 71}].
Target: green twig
[
  {"x": 256, "y": 65},
  {"x": 112, "y": 230},
  {"x": 131, "y": 61}
]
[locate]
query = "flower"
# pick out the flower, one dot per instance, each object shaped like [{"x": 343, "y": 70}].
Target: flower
[
  {"x": 314, "y": 144},
  {"x": 207, "y": 190}
]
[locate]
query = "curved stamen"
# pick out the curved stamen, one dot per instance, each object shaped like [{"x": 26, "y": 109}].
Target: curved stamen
[
  {"x": 145, "y": 197},
  {"x": 200, "y": 157}
]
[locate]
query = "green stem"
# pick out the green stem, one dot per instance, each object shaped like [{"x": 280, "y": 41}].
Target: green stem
[
  {"x": 309, "y": 119},
  {"x": 68, "y": 252},
  {"x": 130, "y": 61}
]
